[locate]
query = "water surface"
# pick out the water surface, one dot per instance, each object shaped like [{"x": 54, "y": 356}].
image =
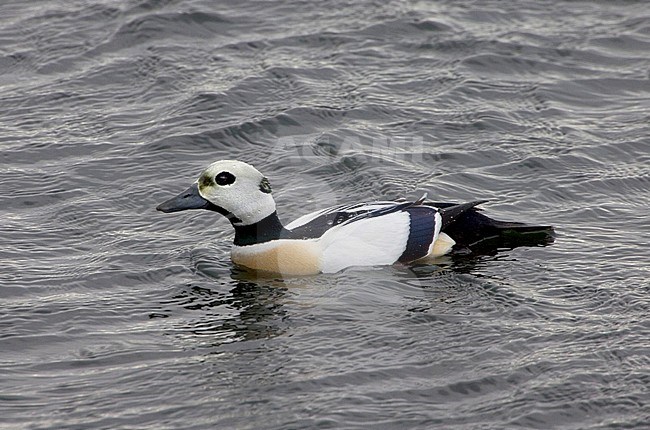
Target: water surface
[{"x": 116, "y": 316}]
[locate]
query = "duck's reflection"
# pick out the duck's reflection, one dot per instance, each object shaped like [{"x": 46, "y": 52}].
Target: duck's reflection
[{"x": 232, "y": 310}]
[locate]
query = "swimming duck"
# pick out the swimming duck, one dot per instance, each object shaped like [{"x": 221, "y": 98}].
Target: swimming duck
[{"x": 335, "y": 238}]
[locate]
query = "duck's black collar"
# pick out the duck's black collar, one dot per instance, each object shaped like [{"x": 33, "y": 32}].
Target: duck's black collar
[{"x": 269, "y": 228}]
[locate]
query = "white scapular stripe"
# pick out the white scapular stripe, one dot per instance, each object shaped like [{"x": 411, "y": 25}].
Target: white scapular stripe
[{"x": 341, "y": 208}]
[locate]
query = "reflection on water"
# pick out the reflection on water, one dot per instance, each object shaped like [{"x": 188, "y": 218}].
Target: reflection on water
[
  {"x": 250, "y": 306},
  {"x": 246, "y": 311}
]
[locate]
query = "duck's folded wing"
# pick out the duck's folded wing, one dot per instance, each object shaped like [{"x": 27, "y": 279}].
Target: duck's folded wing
[{"x": 313, "y": 225}]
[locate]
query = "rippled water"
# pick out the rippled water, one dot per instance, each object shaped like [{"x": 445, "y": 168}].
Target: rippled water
[{"x": 116, "y": 316}]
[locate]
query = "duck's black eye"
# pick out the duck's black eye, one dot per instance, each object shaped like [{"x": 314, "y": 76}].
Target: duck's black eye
[{"x": 224, "y": 178}]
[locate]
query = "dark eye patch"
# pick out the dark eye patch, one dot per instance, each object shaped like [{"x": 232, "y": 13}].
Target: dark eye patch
[{"x": 224, "y": 178}]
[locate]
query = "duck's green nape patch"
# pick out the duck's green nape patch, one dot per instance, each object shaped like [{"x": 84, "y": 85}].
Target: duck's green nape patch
[{"x": 265, "y": 186}]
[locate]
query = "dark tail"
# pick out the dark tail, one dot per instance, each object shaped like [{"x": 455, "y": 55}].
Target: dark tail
[
  {"x": 477, "y": 233},
  {"x": 452, "y": 213}
]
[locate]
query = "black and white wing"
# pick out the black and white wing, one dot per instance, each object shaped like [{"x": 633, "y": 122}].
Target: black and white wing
[{"x": 313, "y": 225}]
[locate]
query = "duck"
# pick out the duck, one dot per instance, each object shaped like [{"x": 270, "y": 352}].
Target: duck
[{"x": 339, "y": 237}]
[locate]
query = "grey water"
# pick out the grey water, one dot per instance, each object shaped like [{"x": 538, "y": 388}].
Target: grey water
[{"x": 115, "y": 316}]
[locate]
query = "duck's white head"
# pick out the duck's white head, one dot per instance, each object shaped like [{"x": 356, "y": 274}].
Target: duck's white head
[{"x": 233, "y": 188}]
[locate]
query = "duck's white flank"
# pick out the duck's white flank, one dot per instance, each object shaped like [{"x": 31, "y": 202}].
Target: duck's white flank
[{"x": 366, "y": 242}]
